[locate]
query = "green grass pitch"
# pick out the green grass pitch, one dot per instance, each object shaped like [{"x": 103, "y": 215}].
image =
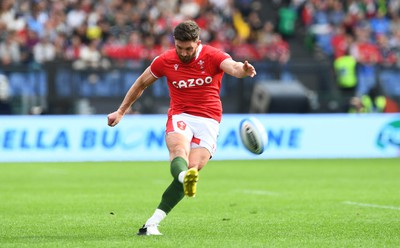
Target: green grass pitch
[{"x": 263, "y": 203}]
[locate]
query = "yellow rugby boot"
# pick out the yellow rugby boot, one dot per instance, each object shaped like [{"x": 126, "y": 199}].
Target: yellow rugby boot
[{"x": 190, "y": 182}]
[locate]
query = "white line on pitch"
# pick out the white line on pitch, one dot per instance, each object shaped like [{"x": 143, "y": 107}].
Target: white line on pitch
[
  {"x": 368, "y": 205},
  {"x": 260, "y": 192}
]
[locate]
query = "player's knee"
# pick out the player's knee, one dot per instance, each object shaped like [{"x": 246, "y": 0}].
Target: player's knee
[
  {"x": 198, "y": 163},
  {"x": 179, "y": 152},
  {"x": 198, "y": 158}
]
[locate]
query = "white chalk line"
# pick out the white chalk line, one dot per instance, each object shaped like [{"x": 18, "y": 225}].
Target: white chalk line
[{"x": 368, "y": 205}]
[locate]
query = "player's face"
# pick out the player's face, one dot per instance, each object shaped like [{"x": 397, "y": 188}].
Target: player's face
[{"x": 186, "y": 50}]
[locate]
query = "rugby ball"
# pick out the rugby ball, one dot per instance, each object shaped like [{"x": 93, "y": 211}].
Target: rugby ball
[{"x": 253, "y": 135}]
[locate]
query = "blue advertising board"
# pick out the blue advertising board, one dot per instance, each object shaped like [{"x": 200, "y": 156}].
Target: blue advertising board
[{"x": 141, "y": 137}]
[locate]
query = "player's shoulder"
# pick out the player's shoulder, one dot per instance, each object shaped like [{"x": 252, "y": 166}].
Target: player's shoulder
[
  {"x": 167, "y": 56},
  {"x": 169, "y": 53}
]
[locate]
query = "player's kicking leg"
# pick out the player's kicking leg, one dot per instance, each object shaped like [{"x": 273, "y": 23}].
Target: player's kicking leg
[{"x": 170, "y": 198}]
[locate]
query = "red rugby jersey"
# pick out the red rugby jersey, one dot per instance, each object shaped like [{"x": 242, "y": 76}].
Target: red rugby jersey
[{"x": 193, "y": 87}]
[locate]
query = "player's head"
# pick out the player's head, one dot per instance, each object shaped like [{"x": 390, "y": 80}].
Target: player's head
[{"x": 187, "y": 40}]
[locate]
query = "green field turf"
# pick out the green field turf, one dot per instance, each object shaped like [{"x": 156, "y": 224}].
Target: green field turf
[{"x": 270, "y": 203}]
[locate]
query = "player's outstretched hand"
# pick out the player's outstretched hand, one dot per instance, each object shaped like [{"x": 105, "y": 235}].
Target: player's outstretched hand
[
  {"x": 249, "y": 69},
  {"x": 114, "y": 118}
]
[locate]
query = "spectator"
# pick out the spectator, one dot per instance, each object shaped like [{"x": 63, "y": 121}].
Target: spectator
[
  {"x": 287, "y": 17},
  {"x": 345, "y": 68},
  {"x": 307, "y": 13},
  {"x": 241, "y": 26},
  {"x": 81, "y": 31},
  {"x": 73, "y": 51},
  {"x": 44, "y": 51},
  {"x": 90, "y": 57},
  {"x": 60, "y": 45},
  {"x": 37, "y": 18},
  {"x": 27, "y": 39},
  {"x": 367, "y": 55},
  {"x": 220, "y": 41},
  {"x": 388, "y": 70},
  {"x": 165, "y": 44},
  {"x": 380, "y": 24},
  {"x": 394, "y": 41},
  {"x": 219, "y": 4},
  {"x": 105, "y": 30},
  {"x": 337, "y": 15},
  {"x": 3, "y": 31},
  {"x": 340, "y": 41},
  {"x": 134, "y": 49},
  {"x": 388, "y": 57},
  {"x": 394, "y": 23},
  {"x": 120, "y": 28},
  {"x": 98, "y": 14},
  {"x": 321, "y": 28},
  {"x": 32, "y": 39},
  {"x": 266, "y": 36},
  {"x": 149, "y": 48},
  {"x": 189, "y": 9},
  {"x": 56, "y": 24},
  {"x": 10, "y": 53},
  {"x": 256, "y": 25},
  {"x": 93, "y": 32},
  {"x": 278, "y": 50},
  {"x": 244, "y": 51},
  {"x": 76, "y": 15},
  {"x": 5, "y": 105},
  {"x": 12, "y": 20}
]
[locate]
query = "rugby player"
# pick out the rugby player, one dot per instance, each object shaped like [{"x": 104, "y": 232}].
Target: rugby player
[{"x": 194, "y": 72}]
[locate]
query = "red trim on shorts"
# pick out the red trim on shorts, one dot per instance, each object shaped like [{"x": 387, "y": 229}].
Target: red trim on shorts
[
  {"x": 169, "y": 126},
  {"x": 196, "y": 140}
]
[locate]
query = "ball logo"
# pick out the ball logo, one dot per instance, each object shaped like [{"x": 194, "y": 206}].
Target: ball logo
[
  {"x": 252, "y": 139},
  {"x": 389, "y": 135},
  {"x": 181, "y": 125}
]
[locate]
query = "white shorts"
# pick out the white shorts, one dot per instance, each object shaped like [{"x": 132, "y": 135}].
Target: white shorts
[{"x": 201, "y": 131}]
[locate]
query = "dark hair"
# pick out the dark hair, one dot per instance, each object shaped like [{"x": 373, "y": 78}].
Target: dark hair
[{"x": 187, "y": 31}]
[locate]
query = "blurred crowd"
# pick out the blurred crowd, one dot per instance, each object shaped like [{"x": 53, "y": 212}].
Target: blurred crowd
[
  {"x": 367, "y": 29},
  {"x": 362, "y": 38},
  {"x": 95, "y": 33}
]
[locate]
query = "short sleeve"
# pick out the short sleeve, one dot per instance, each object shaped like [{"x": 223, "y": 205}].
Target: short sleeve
[
  {"x": 220, "y": 56},
  {"x": 156, "y": 67}
]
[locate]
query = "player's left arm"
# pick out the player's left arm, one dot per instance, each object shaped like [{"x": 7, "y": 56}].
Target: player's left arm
[{"x": 238, "y": 69}]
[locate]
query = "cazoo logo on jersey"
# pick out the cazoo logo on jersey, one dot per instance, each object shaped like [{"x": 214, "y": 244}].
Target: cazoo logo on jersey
[{"x": 192, "y": 82}]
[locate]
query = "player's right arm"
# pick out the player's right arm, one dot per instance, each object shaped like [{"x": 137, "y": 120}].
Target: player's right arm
[
  {"x": 238, "y": 69},
  {"x": 136, "y": 90}
]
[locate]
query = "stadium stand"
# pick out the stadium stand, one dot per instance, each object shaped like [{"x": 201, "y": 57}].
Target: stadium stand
[{"x": 59, "y": 52}]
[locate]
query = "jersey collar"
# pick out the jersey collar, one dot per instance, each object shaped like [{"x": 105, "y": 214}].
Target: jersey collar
[{"x": 198, "y": 51}]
